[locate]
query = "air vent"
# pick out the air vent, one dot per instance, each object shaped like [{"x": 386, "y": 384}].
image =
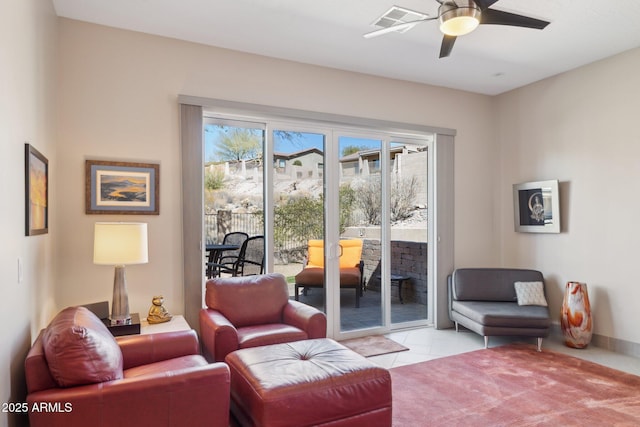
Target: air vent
[{"x": 398, "y": 15}]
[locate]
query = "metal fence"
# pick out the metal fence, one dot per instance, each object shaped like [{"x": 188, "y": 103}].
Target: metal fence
[
  {"x": 216, "y": 225},
  {"x": 221, "y": 222}
]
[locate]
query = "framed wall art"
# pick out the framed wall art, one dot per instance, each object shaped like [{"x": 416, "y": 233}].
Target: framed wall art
[
  {"x": 536, "y": 207},
  {"x": 36, "y": 173},
  {"x": 122, "y": 188}
]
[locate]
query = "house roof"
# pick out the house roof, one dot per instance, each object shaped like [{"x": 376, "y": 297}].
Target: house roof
[
  {"x": 289, "y": 156},
  {"x": 375, "y": 152}
]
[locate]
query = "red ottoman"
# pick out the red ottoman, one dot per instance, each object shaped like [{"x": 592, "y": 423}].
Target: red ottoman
[{"x": 307, "y": 383}]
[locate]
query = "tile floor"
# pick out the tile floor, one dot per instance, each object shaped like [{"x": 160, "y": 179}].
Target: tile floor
[{"x": 428, "y": 343}]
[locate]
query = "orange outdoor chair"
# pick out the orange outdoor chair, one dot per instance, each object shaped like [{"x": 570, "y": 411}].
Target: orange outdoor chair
[{"x": 351, "y": 266}]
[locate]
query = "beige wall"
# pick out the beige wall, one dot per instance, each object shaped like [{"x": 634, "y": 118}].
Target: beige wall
[
  {"x": 581, "y": 128},
  {"x": 27, "y": 114},
  {"x": 118, "y": 100}
]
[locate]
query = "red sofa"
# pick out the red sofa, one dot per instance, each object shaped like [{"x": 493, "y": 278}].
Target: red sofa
[
  {"x": 78, "y": 374},
  {"x": 253, "y": 311}
]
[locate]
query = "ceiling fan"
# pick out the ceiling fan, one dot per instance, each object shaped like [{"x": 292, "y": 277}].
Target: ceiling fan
[{"x": 460, "y": 17}]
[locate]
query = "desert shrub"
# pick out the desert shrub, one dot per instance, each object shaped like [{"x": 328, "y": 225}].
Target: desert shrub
[
  {"x": 299, "y": 219},
  {"x": 403, "y": 195},
  {"x": 347, "y": 202},
  {"x": 214, "y": 180},
  {"x": 368, "y": 198}
]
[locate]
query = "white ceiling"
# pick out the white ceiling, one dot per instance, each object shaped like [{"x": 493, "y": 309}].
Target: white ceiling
[{"x": 490, "y": 60}]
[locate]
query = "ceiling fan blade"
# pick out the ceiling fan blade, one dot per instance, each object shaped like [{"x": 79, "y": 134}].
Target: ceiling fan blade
[
  {"x": 498, "y": 17},
  {"x": 396, "y": 27},
  {"x": 447, "y": 45},
  {"x": 484, "y": 4}
]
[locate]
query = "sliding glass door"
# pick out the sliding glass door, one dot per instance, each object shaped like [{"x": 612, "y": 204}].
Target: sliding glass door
[
  {"x": 383, "y": 199},
  {"x": 344, "y": 213}
]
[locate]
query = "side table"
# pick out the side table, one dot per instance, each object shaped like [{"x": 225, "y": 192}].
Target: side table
[
  {"x": 177, "y": 323},
  {"x": 132, "y": 328},
  {"x": 396, "y": 280}
]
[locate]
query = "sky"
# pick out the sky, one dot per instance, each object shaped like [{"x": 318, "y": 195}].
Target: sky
[{"x": 298, "y": 142}]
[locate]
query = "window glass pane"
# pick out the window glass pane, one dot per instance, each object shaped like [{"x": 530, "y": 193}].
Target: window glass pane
[
  {"x": 298, "y": 200},
  {"x": 360, "y": 206},
  {"x": 233, "y": 199},
  {"x": 408, "y": 215}
]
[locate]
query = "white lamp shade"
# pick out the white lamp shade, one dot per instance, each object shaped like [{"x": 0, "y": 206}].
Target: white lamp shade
[{"x": 120, "y": 243}]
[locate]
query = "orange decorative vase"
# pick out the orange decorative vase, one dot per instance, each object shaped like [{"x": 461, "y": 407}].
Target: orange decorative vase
[{"x": 576, "y": 323}]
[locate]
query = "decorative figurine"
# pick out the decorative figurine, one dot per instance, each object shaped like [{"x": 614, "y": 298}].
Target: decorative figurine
[{"x": 157, "y": 313}]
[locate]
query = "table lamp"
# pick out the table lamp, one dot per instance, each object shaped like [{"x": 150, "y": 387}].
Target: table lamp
[{"x": 120, "y": 244}]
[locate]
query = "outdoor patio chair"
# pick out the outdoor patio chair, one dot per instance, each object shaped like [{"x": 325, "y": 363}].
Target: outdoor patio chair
[
  {"x": 224, "y": 260},
  {"x": 251, "y": 258},
  {"x": 351, "y": 266}
]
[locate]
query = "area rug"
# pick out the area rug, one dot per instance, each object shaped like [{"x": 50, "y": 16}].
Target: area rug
[
  {"x": 513, "y": 386},
  {"x": 373, "y": 345}
]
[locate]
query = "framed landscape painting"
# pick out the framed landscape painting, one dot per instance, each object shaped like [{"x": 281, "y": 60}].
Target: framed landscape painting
[
  {"x": 36, "y": 209},
  {"x": 536, "y": 207},
  {"x": 122, "y": 188}
]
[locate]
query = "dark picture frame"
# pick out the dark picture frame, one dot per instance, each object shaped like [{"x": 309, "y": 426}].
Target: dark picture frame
[
  {"x": 536, "y": 207},
  {"x": 122, "y": 188},
  {"x": 36, "y": 190}
]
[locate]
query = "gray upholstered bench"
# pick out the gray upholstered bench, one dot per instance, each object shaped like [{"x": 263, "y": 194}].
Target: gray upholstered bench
[{"x": 484, "y": 300}]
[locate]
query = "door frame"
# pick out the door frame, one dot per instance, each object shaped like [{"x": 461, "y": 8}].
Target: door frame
[{"x": 192, "y": 160}]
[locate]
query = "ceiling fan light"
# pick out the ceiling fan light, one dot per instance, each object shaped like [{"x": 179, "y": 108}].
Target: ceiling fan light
[
  {"x": 459, "y": 26},
  {"x": 458, "y": 21}
]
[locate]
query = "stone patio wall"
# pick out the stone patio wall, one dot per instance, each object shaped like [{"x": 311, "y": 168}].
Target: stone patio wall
[{"x": 407, "y": 259}]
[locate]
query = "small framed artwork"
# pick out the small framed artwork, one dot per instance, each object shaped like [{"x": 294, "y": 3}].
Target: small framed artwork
[
  {"x": 36, "y": 174},
  {"x": 537, "y": 207},
  {"x": 122, "y": 188}
]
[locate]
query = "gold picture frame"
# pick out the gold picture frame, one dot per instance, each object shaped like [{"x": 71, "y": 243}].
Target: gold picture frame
[{"x": 36, "y": 174}]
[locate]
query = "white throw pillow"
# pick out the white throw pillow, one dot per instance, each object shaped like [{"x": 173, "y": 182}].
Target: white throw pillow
[{"x": 530, "y": 293}]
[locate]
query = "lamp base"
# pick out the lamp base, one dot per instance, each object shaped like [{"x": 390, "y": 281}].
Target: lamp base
[
  {"x": 120, "y": 306},
  {"x": 132, "y": 328},
  {"x": 117, "y": 322}
]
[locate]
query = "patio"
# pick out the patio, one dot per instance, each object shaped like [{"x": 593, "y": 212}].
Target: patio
[{"x": 370, "y": 312}]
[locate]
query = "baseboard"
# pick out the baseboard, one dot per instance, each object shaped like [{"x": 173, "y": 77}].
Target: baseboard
[{"x": 628, "y": 348}]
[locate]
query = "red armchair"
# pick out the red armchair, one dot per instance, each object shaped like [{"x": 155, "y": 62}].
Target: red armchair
[
  {"x": 252, "y": 311},
  {"x": 79, "y": 375}
]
